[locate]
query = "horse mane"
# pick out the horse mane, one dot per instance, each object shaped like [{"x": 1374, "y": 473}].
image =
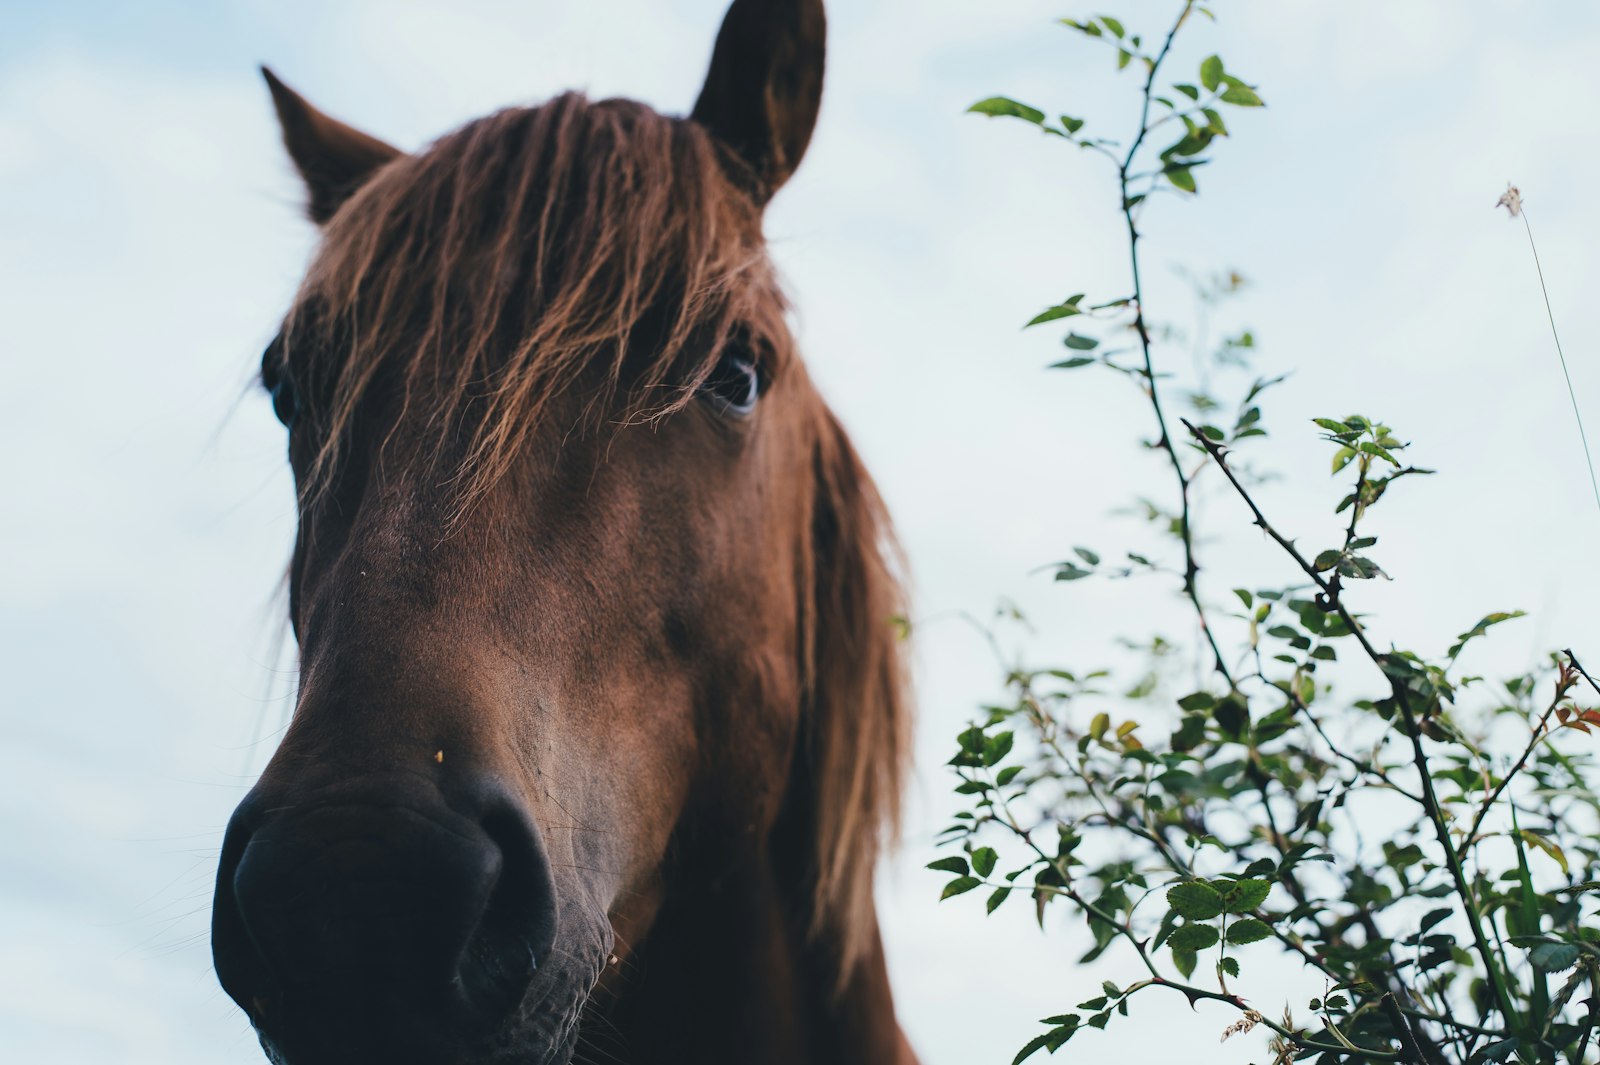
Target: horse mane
[
  {"x": 482, "y": 278},
  {"x": 858, "y": 713}
]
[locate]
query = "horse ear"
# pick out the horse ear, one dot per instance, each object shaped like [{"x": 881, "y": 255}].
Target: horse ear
[
  {"x": 334, "y": 159},
  {"x": 764, "y": 87}
]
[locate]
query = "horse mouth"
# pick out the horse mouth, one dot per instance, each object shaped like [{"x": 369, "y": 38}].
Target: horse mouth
[{"x": 543, "y": 1031}]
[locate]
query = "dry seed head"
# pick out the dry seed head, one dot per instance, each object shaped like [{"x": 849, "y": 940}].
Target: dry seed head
[
  {"x": 1239, "y": 1027},
  {"x": 1511, "y": 200}
]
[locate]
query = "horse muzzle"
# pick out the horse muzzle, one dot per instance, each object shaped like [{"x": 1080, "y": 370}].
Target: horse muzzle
[{"x": 377, "y": 920}]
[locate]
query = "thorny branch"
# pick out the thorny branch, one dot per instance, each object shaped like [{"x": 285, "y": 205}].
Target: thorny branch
[{"x": 1430, "y": 799}]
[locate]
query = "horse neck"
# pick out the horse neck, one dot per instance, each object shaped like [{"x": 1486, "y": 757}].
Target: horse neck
[{"x": 729, "y": 973}]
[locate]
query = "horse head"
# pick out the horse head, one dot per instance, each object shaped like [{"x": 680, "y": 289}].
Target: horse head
[{"x": 600, "y": 724}]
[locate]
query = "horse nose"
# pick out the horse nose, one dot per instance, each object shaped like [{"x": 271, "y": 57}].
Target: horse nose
[{"x": 379, "y": 913}]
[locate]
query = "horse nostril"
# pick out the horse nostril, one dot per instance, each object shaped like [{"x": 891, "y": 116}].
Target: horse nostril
[
  {"x": 517, "y": 928},
  {"x": 383, "y": 908},
  {"x": 239, "y": 965}
]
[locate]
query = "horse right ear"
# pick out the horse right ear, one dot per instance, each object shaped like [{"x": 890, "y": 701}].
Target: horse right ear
[
  {"x": 764, "y": 87},
  {"x": 334, "y": 159}
]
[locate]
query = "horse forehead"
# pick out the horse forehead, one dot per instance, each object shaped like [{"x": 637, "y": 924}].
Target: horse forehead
[{"x": 571, "y": 503}]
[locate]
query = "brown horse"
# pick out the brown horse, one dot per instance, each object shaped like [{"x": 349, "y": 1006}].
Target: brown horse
[{"x": 600, "y": 724}]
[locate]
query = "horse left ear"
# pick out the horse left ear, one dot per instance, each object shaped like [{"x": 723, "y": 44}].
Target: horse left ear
[
  {"x": 334, "y": 159},
  {"x": 765, "y": 85}
]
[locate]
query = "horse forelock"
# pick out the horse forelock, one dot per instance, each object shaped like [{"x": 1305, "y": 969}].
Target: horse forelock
[{"x": 486, "y": 276}]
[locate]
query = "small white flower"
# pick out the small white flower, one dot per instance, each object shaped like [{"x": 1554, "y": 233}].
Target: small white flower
[{"x": 1511, "y": 200}]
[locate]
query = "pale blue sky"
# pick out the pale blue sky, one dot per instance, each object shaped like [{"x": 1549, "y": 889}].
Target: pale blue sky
[{"x": 149, "y": 235}]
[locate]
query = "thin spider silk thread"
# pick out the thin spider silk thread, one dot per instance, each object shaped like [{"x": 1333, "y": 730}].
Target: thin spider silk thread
[{"x": 1572, "y": 393}]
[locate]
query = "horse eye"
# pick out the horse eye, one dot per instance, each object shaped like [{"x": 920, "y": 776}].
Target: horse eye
[
  {"x": 734, "y": 386},
  {"x": 284, "y": 404}
]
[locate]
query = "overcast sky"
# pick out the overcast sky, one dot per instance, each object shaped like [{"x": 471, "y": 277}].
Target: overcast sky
[{"x": 150, "y": 235}]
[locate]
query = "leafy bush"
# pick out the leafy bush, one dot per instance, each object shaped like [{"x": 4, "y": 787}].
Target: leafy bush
[{"x": 1190, "y": 838}]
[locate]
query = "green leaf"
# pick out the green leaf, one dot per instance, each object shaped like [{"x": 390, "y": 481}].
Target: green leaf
[
  {"x": 1180, "y": 176},
  {"x": 1232, "y": 716},
  {"x": 1087, "y": 555},
  {"x": 1198, "y": 701},
  {"x": 1111, "y": 24},
  {"x": 1482, "y": 627},
  {"x": 1193, "y": 937},
  {"x": 1367, "y": 447},
  {"x": 1190, "y": 734},
  {"x": 1553, "y": 957},
  {"x": 1030, "y": 1048},
  {"x": 1501, "y": 1050},
  {"x": 1245, "y": 895},
  {"x": 997, "y": 747},
  {"x": 1211, "y": 72},
  {"x": 983, "y": 860},
  {"x": 1229, "y": 965},
  {"x": 959, "y": 886},
  {"x": 1248, "y": 930},
  {"x": 1196, "y": 900},
  {"x": 1239, "y": 94},
  {"x": 1065, "y": 309},
  {"x": 1007, "y": 775},
  {"x": 1070, "y": 124},
  {"x": 1549, "y": 848},
  {"x": 1080, "y": 343},
  {"x": 1006, "y": 107},
  {"x": 953, "y": 864},
  {"x": 1073, "y": 363},
  {"x": 1000, "y": 895}
]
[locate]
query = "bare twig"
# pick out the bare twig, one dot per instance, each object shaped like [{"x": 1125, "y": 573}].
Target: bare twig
[
  {"x": 1539, "y": 733},
  {"x": 1411, "y": 1053},
  {"x": 1191, "y": 568},
  {"x": 1581, "y": 672}
]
